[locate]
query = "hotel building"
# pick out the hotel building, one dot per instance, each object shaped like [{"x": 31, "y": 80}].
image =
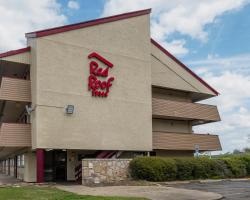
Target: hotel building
[{"x": 98, "y": 89}]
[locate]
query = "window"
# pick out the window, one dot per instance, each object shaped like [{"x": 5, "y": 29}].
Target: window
[
  {"x": 22, "y": 160},
  {"x": 18, "y": 161}
]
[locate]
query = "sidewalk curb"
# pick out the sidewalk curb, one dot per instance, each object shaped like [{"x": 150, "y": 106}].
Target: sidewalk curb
[
  {"x": 23, "y": 184},
  {"x": 201, "y": 181}
]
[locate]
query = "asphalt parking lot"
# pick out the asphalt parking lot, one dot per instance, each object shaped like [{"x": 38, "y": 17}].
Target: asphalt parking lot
[{"x": 231, "y": 190}]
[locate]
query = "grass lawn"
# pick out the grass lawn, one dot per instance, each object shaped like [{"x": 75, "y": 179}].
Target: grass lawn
[{"x": 48, "y": 193}]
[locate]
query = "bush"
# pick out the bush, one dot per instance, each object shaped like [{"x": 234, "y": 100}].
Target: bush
[
  {"x": 185, "y": 167},
  {"x": 153, "y": 169},
  {"x": 171, "y": 169},
  {"x": 221, "y": 169},
  {"x": 166, "y": 169},
  {"x": 203, "y": 168},
  {"x": 237, "y": 167},
  {"x": 246, "y": 160},
  {"x": 214, "y": 168}
]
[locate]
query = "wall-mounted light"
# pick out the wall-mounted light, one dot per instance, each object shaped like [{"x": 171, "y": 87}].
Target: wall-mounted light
[
  {"x": 48, "y": 149},
  {"x": 29, "y": 109},
  {"x": 69, "y": 109}
]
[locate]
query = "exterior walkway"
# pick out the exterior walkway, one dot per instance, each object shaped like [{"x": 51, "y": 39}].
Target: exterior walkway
[
  {"x": 151, "y": 192},
  {"x": 6, "y": 180}
]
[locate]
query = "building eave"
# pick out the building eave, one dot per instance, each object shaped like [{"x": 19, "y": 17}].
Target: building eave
[
  {"x": 14, "y": 52},
  {"x": 184, "y": 67},
  {"x": 76, "y": 26}
]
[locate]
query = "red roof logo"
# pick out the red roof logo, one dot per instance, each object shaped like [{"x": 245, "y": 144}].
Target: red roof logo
[{"x": 96, "y": 84}]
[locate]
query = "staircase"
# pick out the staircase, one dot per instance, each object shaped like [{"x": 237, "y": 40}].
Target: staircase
[{"x": 78, "y": 173}]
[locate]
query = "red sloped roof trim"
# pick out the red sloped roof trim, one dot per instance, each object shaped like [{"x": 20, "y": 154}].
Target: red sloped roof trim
[
  {"x": 184, "y": 66},
  {"x": 70, "y": 27},
  {"x": 14, "y": 52}
]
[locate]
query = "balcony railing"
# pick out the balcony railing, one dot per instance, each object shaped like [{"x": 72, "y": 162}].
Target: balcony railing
[
  {"x": 15, "y": 135},
  {"x": 14, "y": 89},
  {"x": 185, "y": 141},
  {"x": 198, "y": 113}
]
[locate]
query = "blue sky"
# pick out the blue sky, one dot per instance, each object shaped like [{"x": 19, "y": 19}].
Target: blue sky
[
  {"x": 212, "y": 37},
  {"x": 226, "y": 37}
]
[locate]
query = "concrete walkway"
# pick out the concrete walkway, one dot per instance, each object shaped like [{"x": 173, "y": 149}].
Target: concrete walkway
[
  {"x": 7, "y": 180},
  {"x": 150, "y": 192}
]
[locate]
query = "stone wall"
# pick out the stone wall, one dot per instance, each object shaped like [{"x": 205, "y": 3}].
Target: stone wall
[{"x": 96, "y": 171}]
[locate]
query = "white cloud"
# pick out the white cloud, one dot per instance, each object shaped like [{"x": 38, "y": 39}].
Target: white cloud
[
  {"x": 73, "y": 5},
  {"x": 188, "y": 17},
  {"x": 176, "y": 46},
  {"x": 231, "y": 77},
  {"x": 19, "y": 17},
  {"x": 234, "y": 88},
  {"x": 237, "y": 63}
]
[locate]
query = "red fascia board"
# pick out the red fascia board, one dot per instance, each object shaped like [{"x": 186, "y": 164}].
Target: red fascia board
[
  {"x": 184, "y": 66},
  {"x": 96, "y": 55},
  {"x": 70, "y": 27},
  {"x": 14, "y": 52}
]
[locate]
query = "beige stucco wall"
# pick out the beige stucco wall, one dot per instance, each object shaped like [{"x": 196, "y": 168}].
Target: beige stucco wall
[
  {"x": 20, "y": 173},
  {"x": 172, "y": 95},
  {"x": 18, "y": 58},
  {"x": 169, "y": 74},
  {"x": 30, "y": 167},
  {"x": 33, "y": 78},
  {"x": 122, "y": 121},
  {"x": 172, "y": 126}
]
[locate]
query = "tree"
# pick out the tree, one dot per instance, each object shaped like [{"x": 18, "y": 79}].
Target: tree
[
  {"x": 236, "y": 151},
  {"x": 247, "y": 150}
]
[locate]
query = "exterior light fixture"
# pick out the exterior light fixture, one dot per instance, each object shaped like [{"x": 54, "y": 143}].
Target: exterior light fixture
[
  {"x": 48, "y": 149},
  {"x": 69, "y": 109},
  {"x": 29, "y": 109}
]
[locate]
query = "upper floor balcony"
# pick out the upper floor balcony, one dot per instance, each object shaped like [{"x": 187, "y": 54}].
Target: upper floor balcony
[
  {"x": 15, "y": 135},
  {"x": 195, "y": 112},
  {"x": 15, "y": 89},
  {"x": 185, "y": 141}
]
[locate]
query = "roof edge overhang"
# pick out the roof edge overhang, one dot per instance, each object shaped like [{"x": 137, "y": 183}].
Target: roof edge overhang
[
  {"x": 80, "y": 25},
  {"x": 14, "y": 52},
  {"x": 184, "y": 67}
]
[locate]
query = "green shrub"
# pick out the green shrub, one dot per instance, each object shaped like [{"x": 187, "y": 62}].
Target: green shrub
[
  {"x": 203, "y": 168},
  {"x": 246, "y": 160},
  {"x": 185, "y": 168},
  {"x": 220, "y": 169},
  {"x": 153, "y": 169},
  {"x": 170, "y": 169},
  {"x": 214, "y": 168},
  {"x": 237, "y": 166},
  {"x": 166, "y": 169}
]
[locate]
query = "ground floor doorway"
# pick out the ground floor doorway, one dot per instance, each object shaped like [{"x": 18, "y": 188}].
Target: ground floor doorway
[{"x": 55, "y": 166}]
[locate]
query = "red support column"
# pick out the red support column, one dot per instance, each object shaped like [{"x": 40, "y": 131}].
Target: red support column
[{"x": 40, "y": 165}]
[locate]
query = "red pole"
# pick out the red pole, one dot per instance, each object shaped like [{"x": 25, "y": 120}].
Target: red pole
[{"x": 40, "y": 165}]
